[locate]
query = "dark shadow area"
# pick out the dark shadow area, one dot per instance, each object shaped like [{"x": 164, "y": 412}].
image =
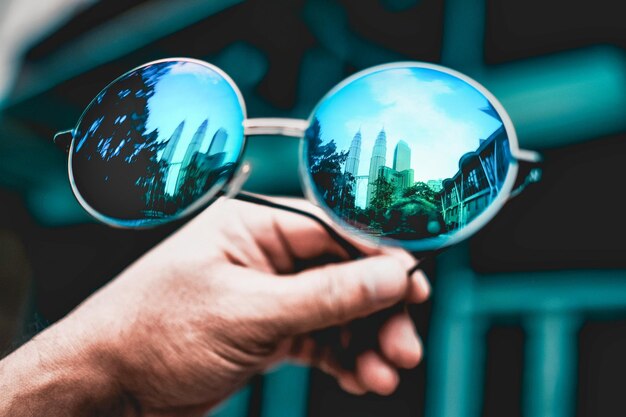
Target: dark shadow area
[
  {"x": 601, "y": 369},
  {"x": 504, "y": 371}
]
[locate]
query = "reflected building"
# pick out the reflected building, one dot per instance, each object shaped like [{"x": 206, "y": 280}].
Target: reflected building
[
  {"x": 352, "y": 162},
  {"x": 218, "y": 142},
  {"x": 400, "y": 180},
  {"x": 402, "y": 156},
  {"x": 155, "y": 195},
  {"x": 435, "y": 185},
  {"x": 402, "y": 165},
  {"x": 172, "y": 143},
  {"x": 401, "y": 175},
  {"x": 200, "y": 170},
  {"x": 192, "y": 149},
  {"x": 479, "y": 179},
  {"x": 360, "y": 191},
  {"x": 378, "y": 160},
  {"x": 216, "y": 154}
]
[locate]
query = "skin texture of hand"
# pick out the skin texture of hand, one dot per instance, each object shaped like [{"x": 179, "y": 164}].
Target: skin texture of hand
[{"x": 236, "y": 290}]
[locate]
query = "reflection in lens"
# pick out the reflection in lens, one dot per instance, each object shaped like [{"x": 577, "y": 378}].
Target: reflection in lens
[
  {"x": 156, "y": 141},
  {"x": 407, "y": 153}
]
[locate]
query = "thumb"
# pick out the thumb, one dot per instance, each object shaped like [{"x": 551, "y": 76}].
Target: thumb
[{"x": 337, "y": 293}]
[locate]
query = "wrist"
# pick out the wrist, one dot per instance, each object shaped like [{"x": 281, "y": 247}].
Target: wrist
[{"x": 56, "y": 375}]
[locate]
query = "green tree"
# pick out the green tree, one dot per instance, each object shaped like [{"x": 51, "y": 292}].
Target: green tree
[
  {"x": 348, "y": 193},
  {"x": 115, "y": 155},
  {"x": 412, "y": 218},
  {"x": 326, "y": 166},
  {"x": 382, "y": 197},
  {"x": 424, "y": 192}
]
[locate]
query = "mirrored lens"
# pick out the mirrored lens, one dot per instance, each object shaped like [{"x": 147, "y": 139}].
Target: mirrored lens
[
  {"x": 408, "y": 153},
  {"x": 157, "y": 142}
]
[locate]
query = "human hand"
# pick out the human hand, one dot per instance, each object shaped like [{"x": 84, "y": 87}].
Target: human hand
[{"x": 234, "y": 291}]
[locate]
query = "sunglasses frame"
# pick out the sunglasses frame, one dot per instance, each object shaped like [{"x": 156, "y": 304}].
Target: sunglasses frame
[
  {"x": 440, "y": 242},
  {"x": 296, "y": 128}
]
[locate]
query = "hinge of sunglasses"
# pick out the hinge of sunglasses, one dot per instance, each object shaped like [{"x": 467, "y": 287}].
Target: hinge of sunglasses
[
  {"x": 238, "y": 180},
  {"x": 64, "y": 139},
  {"x": 275, "y": 126},
  {"x": 530, "y": 160}
]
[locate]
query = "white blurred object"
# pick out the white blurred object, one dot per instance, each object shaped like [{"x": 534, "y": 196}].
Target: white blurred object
[{"x": 22, "y": 23}]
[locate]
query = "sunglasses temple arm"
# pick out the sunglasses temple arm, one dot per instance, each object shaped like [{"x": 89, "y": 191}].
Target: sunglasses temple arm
[
  {"x": 525, "y": 155},
  {"x": 529, "y": 166},
  {"x": 63, "y": 139},
  {"x": 352, "y": 250}
]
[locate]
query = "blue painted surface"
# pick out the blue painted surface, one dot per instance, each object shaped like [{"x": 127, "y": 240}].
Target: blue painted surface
[{"x": 236, "y": 406}]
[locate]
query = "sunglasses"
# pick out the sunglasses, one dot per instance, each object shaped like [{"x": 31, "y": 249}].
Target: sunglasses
[{"x": 405, "y": 154}]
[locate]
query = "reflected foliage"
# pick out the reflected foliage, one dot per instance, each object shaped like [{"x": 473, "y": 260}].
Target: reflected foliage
[
  {"x": 372, "y": 186},
  {"x": 392, "y": 212},
  {"x": 326, "y": 169},
  {"x": 419, "y": 210},
  {"x": 128, "y": 172},
  {"x": 114, "y": 158}
]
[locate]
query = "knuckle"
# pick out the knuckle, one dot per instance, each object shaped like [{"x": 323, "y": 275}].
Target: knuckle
[
  {"x": 398, "y": 269},
  {"x": 331, "y": 289},
  {"x": 403, "y": 256}
]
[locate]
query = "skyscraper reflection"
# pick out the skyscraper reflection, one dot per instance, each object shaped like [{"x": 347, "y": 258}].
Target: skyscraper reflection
[
  {"x": 172, "y": 143},
  {"x": 379, "y": 157},
  {"x": 218, "y": 142},
  {"x": 192, "y": 149},
  {"x": 402, "y": 156},
  {"x": 352, "y": 162}
]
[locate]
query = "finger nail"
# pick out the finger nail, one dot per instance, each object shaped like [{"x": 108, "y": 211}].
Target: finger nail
[{"x": 420, "y": 279}]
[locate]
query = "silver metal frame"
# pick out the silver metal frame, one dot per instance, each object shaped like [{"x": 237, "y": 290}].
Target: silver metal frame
[
  {"x": 296, "y": 128},
  {"x": 477, "y": 223},
  {"x": 203, "y": 201}
]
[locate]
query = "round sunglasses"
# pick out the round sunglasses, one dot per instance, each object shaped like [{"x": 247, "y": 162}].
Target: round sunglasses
[{"x": 406, "y": 154}]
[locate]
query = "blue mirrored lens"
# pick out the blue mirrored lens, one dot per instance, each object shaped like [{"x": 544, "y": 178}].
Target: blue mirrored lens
[
  {"x": 157, "y": 142},
  {"x": 409, "y": 153}
]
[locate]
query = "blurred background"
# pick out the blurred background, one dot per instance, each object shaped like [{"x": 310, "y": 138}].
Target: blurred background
[{"x": 528, "y": 318}]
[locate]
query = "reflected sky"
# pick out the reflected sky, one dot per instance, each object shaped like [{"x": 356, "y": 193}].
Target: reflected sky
[
  {"x": 193, "y": 93},
  {"x": 440, "y": 116},
  {"x": 431, "y": 154},
  {"x": 157, "y": 140}
]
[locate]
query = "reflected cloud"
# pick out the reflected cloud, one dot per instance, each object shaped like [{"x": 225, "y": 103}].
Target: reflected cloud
[{"x": 387, "y": 151}]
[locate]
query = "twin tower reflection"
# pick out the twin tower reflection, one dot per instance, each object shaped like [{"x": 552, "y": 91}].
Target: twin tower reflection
[
  {"x": 147, "y": 147},
  {"x": 401, "y": 174},
  {"x": 388, "y": 202},
  {"x": 180, "y": 180}
]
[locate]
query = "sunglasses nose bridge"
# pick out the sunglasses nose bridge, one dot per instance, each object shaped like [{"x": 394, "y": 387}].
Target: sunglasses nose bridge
[{"x": 275, "y": 126}]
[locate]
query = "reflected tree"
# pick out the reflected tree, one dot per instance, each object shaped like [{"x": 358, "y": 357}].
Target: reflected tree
[
  {"x": 383, "y": 194},
  {"x": 412, "y": 218},
  {"x": 422, "y": 191},
  {"x": 115, "y": 159},
  {"x": 326, "y": 164},
  {"x": 202, "y": 173}
]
